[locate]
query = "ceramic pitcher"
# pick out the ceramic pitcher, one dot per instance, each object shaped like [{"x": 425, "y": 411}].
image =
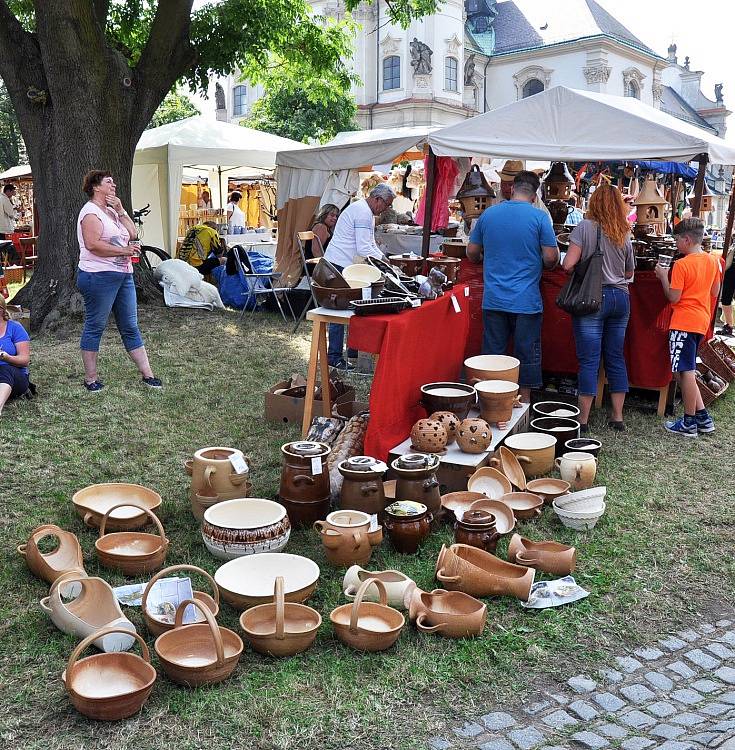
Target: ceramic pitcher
[{"x": 578, "y": 469}]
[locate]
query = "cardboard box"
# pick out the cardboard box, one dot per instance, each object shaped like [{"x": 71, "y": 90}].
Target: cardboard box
[{"x": 280, "y": 408}]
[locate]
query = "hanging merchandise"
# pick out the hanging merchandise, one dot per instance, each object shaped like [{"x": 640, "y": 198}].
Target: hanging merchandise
[
  {"x": 558, "y": 182},
  {"x": 475, "y": 194}
]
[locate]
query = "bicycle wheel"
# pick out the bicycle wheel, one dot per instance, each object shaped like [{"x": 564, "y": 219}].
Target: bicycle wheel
[{"x": 151, "y": 256}]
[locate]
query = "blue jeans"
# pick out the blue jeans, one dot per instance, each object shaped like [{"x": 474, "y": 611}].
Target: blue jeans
[
  {"x": 336, "y": 339},
  {"x": 603, "y": 333},
  {"x": 526, "y": 332},
  {"x": 105, "y": 292}
]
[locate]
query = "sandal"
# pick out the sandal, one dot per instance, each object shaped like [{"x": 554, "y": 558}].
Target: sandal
[{"x": 618, "y": 426}]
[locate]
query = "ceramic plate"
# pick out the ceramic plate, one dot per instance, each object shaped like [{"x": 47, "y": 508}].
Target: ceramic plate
[{"x": 256, "y": 575}]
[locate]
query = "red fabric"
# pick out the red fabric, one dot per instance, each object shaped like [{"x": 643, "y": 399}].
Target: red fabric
[
  {"x": 15, "y": 238},
  {"x": 446, "y": 173},
  {"x": 418, "y": 346},
  {"x": 471, "y": 274}
]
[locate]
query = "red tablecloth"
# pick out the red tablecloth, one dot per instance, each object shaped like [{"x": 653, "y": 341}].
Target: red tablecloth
[{"x": 418, "y": 346}]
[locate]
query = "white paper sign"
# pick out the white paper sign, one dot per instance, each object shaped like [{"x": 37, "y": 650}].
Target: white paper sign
[
  {"x": 163, "y": 598},
  {"x": 316, "y": 465},
  {"x": 367, "y": 292},
  {"x": 415, "y": 303},
  {"x": 455, "y": 304},
  {"x": 466, "y": 291},
  {"x": 239, "y": 464}
]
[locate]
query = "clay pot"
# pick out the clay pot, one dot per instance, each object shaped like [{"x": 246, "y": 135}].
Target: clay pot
[
  {"x": 94, "y": 501},
  {"x": 428, "y": 436},
  {"x": 497, "y": 399},
  {"x": 454, "y": 248},
  {"x": 408, "y": 263},
  {"x": 327, "y": 275},
  {"x": 507, "y": 462},
  {"x": 455, "y": 504},
  {"x": 336, "y": 299},
  {"x": 245, "y": 526},
  {"x": 490, "y": 482},
  {"x": 347, "y": 538},
  {"x": 478, "y": 573},
  {"x": 418, "y": 484},
  {"x": 476, "y": 528},
  {"x": 474, "y": 435},
  {"x": 213, "y": 473},
  {"x": 549, "y": 556},
  {"x": 448, "y": 266},
  {"x": 396, "y": 585},
  {"x": 561, "y": 428},
  {"x": 534, "y": 451},
  {"x": 555, "y": 409},
  {"x": 408, "y": 524},
  {"x": 367, "y": 626},
  {"x": 505, "y": 521},
  {"x": 66, "y": 558},
  {"x": 525, "y": 505},
  {"x": 458, "y": 398},
  {"x": 452, "y": 614},
  {"x": 202, "y": 500},
  {"x": 548, "y": 489},
  {"x": 450, "y": 421},
  {"x": 585, "y": 445},
  {"x": 491, "y": 367},
  {"x": 362, "y": 485},
  {"x": 579, "y": 469},
  {"x": 304, "y": 493}
]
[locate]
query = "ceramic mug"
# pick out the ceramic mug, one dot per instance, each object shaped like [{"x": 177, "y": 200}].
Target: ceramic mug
[{"x": 578, "y": 469}]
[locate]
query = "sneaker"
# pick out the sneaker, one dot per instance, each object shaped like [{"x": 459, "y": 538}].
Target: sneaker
[
  {"x": 678, "y": 426},
  {"x": 726, "y": 330},
  {"x": 153, "y": 382},
  {"x": 705, "y": 424},
  {"x": 95, "y": 387},
  {"x": 617, "y": 426},
  {"x": 342, "y": 365}
]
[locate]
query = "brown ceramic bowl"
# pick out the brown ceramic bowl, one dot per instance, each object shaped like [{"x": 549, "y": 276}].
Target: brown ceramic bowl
[
  {"x": 455, "y": 397},
  {"x": 548, "y": 489},
  {"x": 335, "y": 299},
  {"x": 524, "y": 505},
  {"x": 327, "y": 276}
]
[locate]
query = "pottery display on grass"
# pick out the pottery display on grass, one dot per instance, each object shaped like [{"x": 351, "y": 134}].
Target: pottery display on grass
[
  {"x": 497, "y": 399},
  {"x": 525, "y": 505},
  {"x": 417, "y": 479},
  {"x": 578, "y": 520},
  {"x": 458, "y": 398},
  {"x": 585, "y": 445},
  {"x": 428, "y": 436},
  {"x": 305, "y": 486},
  {"x": 548, "y": 556},
  {"x": 245, "y": 526},
  {"x": 507, "y": 462},
  {"x": 108, "y": 686},
  {"x": 577, "y": 468},
  {"x": 197, "y": 655},
  {"x": 396, "y": 585},
  {"x": 452, "y": 614},
  {"x": 94, "y": 501},
  {"x": 474, "y": 435},
  {"x": 492, "y": 367},
  {"x": 450, "y": 421},
  {"x": 490, "y": 482},
  {"x": 554, "y": 409},
  {"x": 281, "y": 628},
  {"x": 505, "y": 521},
  {"x": 408, "y": 524},
  {"x": 534, "y": 450},
  {"x": 65, "y": 558},
  {"x": 160, "y": 622},
  {"x": 347, "y": 537},
  {"x": 93, "y": 609},
  {"x": 477, "y": 528},
  {"x": 408, "y": 263},
  {"x": 203, "y": 499},
  {"x": 454, "y": 504},
  {"x": 247, "y": 581},
  {"x": 548, "y": 489},
  {"x": 448, "y": 266},
  {"x": 214, "y": 470},
  {"x": 362, "y": 485},
  {"x": 562, "y": 428},
  {"x": 133, "y": 553},
  {"x": 367, "y": 626},
  {"x": 478, "y": 573}
]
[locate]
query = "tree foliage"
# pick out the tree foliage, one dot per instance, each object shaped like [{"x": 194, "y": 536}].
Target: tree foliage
[
  {"x": 12, "y": 148},
  {"x": 173, "y": 108}
]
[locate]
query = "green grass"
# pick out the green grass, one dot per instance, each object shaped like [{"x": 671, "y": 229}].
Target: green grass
[{"x": 661, "y": 556}]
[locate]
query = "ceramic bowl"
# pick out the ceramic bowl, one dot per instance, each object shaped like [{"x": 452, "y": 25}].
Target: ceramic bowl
[
  {"x": 456, "y": 503},
  {"x": 326, "y": 275},
  {"x": 94, "y": 501},
  {"x": 584, "y": 444},
  {"x": 507, "y": 462},
  {"x": 562, "y": 428},
  {"x": 548, "y": 489},
  {"x": 245, "y": 526},
  {"x": 505, "y": 521},
  {"x": 584, "y": 501},
  {"x": 490, "y": 482},
  {"x": 524, "y": 505},
  {"x": 492, "y": 367},
  {"x": 554, "y": 409},
  {"x": 335, "y": 299},
  {"x": 361, "y": 272},
  {"x": 579, "y": 521},
  {"x": 455, "y": 397},
  {"x": 534, "y": 450}
]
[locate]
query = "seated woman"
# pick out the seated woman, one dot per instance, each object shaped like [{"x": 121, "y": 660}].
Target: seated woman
[
  {"x": 323, "y": 228},
  {"x": 203, "y": 248},
  {"x": 15, "y": 355}
]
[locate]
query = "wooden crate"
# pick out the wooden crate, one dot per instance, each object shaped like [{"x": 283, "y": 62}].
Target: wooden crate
[
  {"x": 708, "y": 395},
  {"x": 713, "y": 358},
  {"x": 14, "y": 274}
]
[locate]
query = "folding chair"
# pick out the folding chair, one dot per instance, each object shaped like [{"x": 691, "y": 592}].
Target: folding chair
[
  {"x": 28, "y": 256},
  {"x": 260, "y": 284},
  {"x": 302, "y": 237}
]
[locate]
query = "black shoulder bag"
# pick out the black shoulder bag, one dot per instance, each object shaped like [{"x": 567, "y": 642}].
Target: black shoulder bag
[{"x": 582, "y": 294}]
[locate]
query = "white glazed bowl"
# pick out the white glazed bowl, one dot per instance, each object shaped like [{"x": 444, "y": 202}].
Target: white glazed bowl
[
  {"x": 579, "y": 521},
  {"x": 585, "y": 501},
  {"x": 361, "y": 272}
]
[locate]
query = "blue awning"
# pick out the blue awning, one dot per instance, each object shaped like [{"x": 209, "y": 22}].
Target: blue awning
[{"x": 667, "y": 167}]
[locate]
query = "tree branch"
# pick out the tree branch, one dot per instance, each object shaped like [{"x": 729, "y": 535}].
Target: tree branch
[
  {"x": 20, "y": 58},
  {"x": 101, "y": 10}
]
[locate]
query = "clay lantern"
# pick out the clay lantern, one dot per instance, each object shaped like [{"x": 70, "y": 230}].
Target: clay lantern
[
  {"x": 651, "y": 206},
  {"x": 558, "y": 182},
  {"x": 475, "y": 194},
  {"x": 708, "y": 200}
]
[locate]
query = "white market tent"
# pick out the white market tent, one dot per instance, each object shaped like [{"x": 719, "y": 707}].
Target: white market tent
[
  {"x": 22, "y": 170},
  {"x": 201, "y": 143}
]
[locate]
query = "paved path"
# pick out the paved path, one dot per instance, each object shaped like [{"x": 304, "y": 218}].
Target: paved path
[{"x": 675, "y": 695}]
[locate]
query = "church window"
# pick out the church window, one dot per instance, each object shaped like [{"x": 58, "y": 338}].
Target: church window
[
  {"x": 239, "y": 100},
  {"x": 531, "y": 87},
  {"x": 391, "y": 73},
  {"x": 633, "y": 90},
  {"x": 450, "y": 74}
]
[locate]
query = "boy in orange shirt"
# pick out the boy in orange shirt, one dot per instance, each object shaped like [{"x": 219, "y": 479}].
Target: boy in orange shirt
[{"x": 694, "y": 286}]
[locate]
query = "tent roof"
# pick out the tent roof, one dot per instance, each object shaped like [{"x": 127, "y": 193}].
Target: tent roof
[
  {"x": 353, "y": 149},
  {"x": 22, "y": 170},
  {"x": 562, "y": 124},
  {"x": 202, "y": 141}
]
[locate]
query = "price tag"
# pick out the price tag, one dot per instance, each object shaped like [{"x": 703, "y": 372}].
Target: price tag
[
  {"x": 415, "y": 303},
  {"x": 316, "y": 465},
  {"x": 455, "y": 304},
  {"x": 374, "y": 522},
  {"x": 239, "y": 464},
  {"x": 367, "y": 292},
  {"x": 466, "y": 291}
]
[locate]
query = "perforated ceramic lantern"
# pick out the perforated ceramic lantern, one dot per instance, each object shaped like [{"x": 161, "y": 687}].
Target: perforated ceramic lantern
[
  {"x": 651, "y": 206},
  {"x": 475, "y": 194},
  {"x": 558, "y": 182},
  {"x": 707, "y": 200}
]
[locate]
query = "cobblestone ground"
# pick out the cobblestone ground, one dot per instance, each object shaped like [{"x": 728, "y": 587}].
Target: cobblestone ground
[{"x": 674, "y": 695}]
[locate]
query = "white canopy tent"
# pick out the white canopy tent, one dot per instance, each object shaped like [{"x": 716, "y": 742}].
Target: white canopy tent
[
  {"x": 201, "y": 143},
  {"x": 22, "y": 170}
]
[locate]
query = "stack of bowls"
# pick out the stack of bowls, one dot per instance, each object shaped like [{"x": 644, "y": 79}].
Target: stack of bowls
[{"x": 581, "y": 510}]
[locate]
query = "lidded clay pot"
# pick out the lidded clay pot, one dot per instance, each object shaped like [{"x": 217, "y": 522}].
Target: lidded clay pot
[
  {"x": 362, "y": 488},
  {"x": 417, "y": 479},
  {"x": 474, "y": 435},
  {"x": 477, "y": 528},
  {"x": 408, "y": 524},
  {"x": 429, "y": 436},
  {"x": 304, "y": 492}
]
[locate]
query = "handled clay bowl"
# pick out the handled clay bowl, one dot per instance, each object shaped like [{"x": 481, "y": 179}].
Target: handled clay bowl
[
  {"x": 492, "y": 367},
  {"x": 490, "y": 482},
  {"x": 452, "y": 614},
  {"x": 247, "y": 581},
  {"x": 396, "y": 585},
  {"x": 497, "y": 398},
  {"x": 548, "y": 489},
  {"x": 455, "y": 397},
  {"x": 507, "y": 462},
  {"x": 94, "y": 501},
  {"x": 534, "y": 450},
  {"x": 549, "y": 556},
  {"x": 525, "y": 505},
  {"x": 65, "y": 558}
]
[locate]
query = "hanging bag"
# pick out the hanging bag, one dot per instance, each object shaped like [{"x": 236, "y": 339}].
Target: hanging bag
[{"x": 582, "y": 294}]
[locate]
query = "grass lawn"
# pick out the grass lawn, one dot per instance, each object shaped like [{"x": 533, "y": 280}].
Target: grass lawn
[{"x": 661, "y": 556}]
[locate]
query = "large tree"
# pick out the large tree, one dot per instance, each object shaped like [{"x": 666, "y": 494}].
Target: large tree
[
  {"x": 12, "y": 148},
  {"x": 86, "y": 76}
]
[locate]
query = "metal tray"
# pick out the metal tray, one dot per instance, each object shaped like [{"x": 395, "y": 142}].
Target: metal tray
[{"x": 380, "y": 306}]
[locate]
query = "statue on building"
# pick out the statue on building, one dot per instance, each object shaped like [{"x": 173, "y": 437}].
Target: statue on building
[
  {"x": 420, "y": 57},
  {"x": 469, "y": 70},
  {"x": 686, "y": 62},
  {"x": 672, "y": 53},
  {"x": 219, "y": 96},
  {"x": 718, "y": 93}
]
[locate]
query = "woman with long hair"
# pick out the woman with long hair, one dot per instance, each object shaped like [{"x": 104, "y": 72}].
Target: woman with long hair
[
  {"x": 323, "y": 228},
  {"x": 603, "y": 333}
]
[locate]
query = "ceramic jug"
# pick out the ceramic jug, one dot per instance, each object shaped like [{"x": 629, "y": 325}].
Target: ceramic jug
[
  {"x": 396, "y": 585},
  {"x": 362, "y": 486},
  {"x": 577, "y": 468}
]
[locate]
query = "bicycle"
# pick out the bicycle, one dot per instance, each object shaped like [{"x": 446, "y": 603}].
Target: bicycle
[{"x": 147, "y": 252}]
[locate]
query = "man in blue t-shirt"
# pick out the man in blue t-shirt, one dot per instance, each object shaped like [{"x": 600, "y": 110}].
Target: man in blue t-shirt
[{"x": 515, "y": 241}]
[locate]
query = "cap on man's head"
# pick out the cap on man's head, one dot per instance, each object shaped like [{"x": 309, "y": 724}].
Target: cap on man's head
[{"x": 510, "y": 169}]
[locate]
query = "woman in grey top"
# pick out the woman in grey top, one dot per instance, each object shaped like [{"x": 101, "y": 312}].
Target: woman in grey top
[{"x": 603, "y": 332}]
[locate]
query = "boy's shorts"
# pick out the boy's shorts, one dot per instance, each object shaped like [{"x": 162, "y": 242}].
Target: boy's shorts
[{"x": 683, "y": 346}]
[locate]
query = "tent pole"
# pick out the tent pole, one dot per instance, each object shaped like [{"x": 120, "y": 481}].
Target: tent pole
[
  {"x": 219, "y": 185},
  {"x": 428, "y": 203},
  {"x": 699, "y": 184},
  {"x": 674, "y": 184},
  {"x": 730, "y": 220}
]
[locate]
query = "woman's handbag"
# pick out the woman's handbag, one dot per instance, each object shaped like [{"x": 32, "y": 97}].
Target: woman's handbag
[{"x": 582, "y": 294}]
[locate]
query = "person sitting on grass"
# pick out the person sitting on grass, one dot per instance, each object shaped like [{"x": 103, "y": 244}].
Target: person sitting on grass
[
  {"x": 692, "y": 292},
  {"x": 15, "y": 355}
]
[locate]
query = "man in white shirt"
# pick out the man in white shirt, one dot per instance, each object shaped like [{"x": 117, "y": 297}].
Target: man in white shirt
[
  {"x": 353, "y": 240},
  {"x": 7, "y": 212}
]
